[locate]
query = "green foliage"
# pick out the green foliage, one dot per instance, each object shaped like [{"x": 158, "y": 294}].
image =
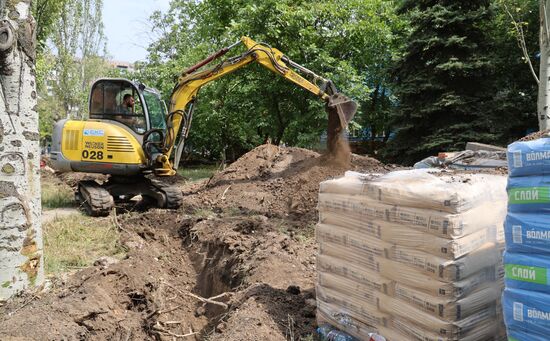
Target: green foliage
[
  {"x": 350, "y": 42},
  {"x": 444, "y": 79},
  {"x": 45, "y": 13},
  {"x": 78, "y": 61},
  {"x": 64, "y": 77},
  {"x": 515, "y": 99}
]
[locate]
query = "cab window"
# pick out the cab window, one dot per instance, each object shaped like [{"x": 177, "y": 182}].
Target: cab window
[
  {"x": 156, "y": 109},
  {"x": 119, "y": 101}
]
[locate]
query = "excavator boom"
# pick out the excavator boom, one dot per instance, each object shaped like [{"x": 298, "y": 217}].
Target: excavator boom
[{"x": 340, "y": 108}]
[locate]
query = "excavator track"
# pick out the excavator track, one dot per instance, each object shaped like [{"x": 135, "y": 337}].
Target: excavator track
[
  {"x": 99, "y": 200},
  {"x": 173, "y": 197},
  {"x": 96, "y": 200}
]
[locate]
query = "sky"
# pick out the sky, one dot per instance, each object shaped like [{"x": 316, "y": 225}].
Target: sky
[{"x": 127, "y": 27}]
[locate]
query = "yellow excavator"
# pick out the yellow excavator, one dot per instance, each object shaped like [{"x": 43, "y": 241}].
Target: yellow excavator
[{"x": 131, "y": 137}]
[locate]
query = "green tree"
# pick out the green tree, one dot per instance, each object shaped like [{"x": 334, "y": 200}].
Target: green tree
[
  {"x": 516, "y": 39},
  {"x": 348, "y": 41},
  {"x": 75, "y": 29},
  {"x": 45, "y": 13},
  {"x": 444, "y": 79},
  {"x": 48, "y": 106},
  {"x": 79, "y": 44}
]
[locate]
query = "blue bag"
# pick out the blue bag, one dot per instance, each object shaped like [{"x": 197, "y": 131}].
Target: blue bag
[
  {"x": 527, "y": 272},
  {"x": 529, "y": 194},
  {"x": 527, "y": 233},
  {"x": 529, "y": 157},
  {"x": 527, "y": 311}
]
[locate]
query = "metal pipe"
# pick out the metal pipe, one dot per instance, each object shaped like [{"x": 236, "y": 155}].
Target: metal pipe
[
  {"x": 301, "y": 68},
  {"x": 210, "y": 58}
]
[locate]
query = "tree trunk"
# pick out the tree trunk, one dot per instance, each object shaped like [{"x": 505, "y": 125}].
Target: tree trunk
[
  {"x": 21, "y": 261},
  {"x": 282, "y": 124},
  {"x": 544, "y": 88}
]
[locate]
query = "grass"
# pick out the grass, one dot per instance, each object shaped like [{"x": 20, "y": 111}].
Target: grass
[
  {"x": 77, "y": 240},
  {"x": 306, "y": 234},
  {"x": 55, "y": 196},
  {"x": 196, "y": 173},
  {"x": 204, "y": 213}
]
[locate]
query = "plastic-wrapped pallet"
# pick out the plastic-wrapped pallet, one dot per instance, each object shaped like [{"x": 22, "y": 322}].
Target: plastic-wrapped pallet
[
  {"x": 527, "y": 258},
  {"x": 414, "y": 253}
]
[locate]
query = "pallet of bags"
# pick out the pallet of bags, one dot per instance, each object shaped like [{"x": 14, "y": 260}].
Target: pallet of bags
[
  {"x": 414, "y": 253},
  {"x": 526, "y": 297}
]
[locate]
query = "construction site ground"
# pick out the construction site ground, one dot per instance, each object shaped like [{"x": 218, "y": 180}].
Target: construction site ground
[{"x": 236, "y": 262}]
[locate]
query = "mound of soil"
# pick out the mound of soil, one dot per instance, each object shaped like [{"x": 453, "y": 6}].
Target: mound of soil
[
  {"x": 276, "y": 182},
  {"x": 536, "y": 135}
]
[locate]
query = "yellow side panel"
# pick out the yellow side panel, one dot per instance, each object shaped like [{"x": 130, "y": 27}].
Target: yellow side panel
[{"x": 94, "y": 141}]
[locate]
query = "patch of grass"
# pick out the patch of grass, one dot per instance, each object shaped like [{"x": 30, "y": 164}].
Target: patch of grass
[
  {"x": 233, "y": 211},
  {"x": 77, "y": 240},
  {"x": 282, "y": 227},
  {"x": 306, "y": 234},
  {"x": 204, "y": 213},
  {"x": 196, "y": 173},
  {"x": 55, "y": 196}
]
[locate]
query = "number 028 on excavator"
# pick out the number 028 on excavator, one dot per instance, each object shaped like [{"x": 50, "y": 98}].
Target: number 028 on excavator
[{"x": 132, "y": 137}]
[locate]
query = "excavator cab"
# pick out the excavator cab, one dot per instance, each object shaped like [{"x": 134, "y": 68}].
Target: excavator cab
[{"x": 134, "y": 105}]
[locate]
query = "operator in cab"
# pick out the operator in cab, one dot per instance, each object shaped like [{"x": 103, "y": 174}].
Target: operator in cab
[
  {"x": 126, "y": 108},
  {"x": 127, "y": 105}
]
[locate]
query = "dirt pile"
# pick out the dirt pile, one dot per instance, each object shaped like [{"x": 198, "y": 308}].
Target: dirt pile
[
  {"x": 536, "y": 135},
  {"x": 276, "y": 182}
]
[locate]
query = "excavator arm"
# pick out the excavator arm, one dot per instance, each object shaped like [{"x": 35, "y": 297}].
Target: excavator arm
[{"x": 339, "y": 107}]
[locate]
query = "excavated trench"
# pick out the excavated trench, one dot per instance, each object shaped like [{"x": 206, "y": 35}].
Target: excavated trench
[
  {"x": 217, "y": 273},
  {"x": 157, "y": 292}
]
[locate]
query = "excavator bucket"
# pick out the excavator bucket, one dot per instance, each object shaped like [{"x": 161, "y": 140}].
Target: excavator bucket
[
  {"x": 341, "y": 110},
  {"x": 342, "y": 106}
]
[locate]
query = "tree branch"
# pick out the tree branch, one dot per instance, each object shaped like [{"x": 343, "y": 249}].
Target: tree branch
[{"x": 521, "y": 42}]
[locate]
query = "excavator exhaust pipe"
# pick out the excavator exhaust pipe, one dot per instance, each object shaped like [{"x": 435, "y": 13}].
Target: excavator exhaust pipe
[{"x": 341, "y": 111}]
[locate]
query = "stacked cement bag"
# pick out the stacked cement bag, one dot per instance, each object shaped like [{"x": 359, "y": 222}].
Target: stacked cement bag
[
  {"x": 412, "y": 255},
  {"x": 526, "y": 300}
]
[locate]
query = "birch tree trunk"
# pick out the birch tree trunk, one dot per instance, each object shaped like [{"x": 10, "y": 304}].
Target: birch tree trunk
[
  {"x": 21, "y": 260},
  {"x": 543, "y": 101}
]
